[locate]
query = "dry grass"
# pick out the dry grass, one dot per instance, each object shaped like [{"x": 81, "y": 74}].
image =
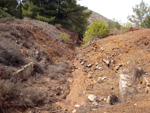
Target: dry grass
[
  {"x": 8, "y": 90},
  {"x": 33, "y": 96}
]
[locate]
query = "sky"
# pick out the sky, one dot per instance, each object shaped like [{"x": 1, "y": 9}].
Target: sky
[{"x": 112, "y": 9}]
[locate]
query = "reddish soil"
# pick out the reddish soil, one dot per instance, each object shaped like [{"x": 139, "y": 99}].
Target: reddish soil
[
  {"x": 126, "y": 50},
  {"x": 72, "y": 74}
]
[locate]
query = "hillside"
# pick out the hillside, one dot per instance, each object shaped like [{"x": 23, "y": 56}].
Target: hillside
[
  {"x": 95, "y": 86},
  {"x": 33, "y": 55},
  {"x": 42, "y": 73},
  {"x": 97, "y": 17}
]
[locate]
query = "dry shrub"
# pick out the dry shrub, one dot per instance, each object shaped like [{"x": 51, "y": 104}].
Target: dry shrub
[
  {"x": 9, "y": 54},
  {"x": 37, "y": 69},
  {"x": 11, "y": 59},
  {"x": 57, "y": 70},
  {"x": 33, "y": 96},
  {"x": 8, "y": 90},
  {"x": 6, "y": 72},
  {"x": 7, "y": 20}
]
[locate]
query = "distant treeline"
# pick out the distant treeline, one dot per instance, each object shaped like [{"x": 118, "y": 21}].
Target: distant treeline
[{"x": 67, "y": 13}]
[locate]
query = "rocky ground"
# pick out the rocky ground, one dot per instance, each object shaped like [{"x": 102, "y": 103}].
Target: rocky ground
[
  {"x": 110, "y": 75},
  {"x": 95, "y": 84}
]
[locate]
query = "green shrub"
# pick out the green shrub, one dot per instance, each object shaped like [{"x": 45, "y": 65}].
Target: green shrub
[
  {"x": 64, "y": 37},
  {"x": 45, "y": 19},
  {"x": 146, "y": 22},
  {"x": 97, "y": 30},
  {"x": 114, "y": 24},
  {"x": 125, "y": 27},
  {"x": 114, "y": 27},
  {"x": 41, "y": 24},
  {"x": 3, "y": 14}
]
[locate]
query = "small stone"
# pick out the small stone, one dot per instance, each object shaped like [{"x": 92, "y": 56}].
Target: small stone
[
  {"x": 36, "y": 52},
  {"x": 135, "y": 104},
  {"x": 82, "y": 63},
  {"x": 92, "y": 97},
  {"x": 102, "y": 48},
  {"x": 103, "y": 78},
  {"x": 77, "y": 106},
  {"x": 89, "y": 66},
  {"x": 100, "y": 79},
  {"x": 112, "y": 61},
  {"x": 94, "y": 109},
  {"x": 106, "y": 61},
  {"x": 89, "y": 76},
  {"x": 74, "y": 111},
  {"x": 95, "y": 103},
  {"x": 92, "y": 72},
  {"x": 98, "y": 68},
  {"x": 96, "y": 63}
]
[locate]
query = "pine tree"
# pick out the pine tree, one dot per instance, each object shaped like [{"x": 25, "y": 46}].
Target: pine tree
[
  {"x": 65, "y": 12},
  {"x": 141, "y": 11},
  {"x": 72, "y": 16},
  {"x": 9, "y": 6},
  {"x": 146, "y": 22}
]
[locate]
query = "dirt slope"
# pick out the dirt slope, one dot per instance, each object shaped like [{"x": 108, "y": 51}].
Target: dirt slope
[
  {"x": 98, "y": 68},
  {"x": 64, "y": 76},
  {"x": 30, "y": 41}
]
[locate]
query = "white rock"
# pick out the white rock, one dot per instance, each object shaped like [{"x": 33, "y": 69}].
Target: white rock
[
  {"x": 96, "y": 63},
  {"x": 89, "y": 66},
  {"x": 36, "y": 52},
  {"x": 77, "y": 106},
  {"x": 102, "y": 48},
  {"x": 124, "y": 82},
  {"x": 106, "y": 61},
  {"x": 92, "y": 97},
  {"x": 101, "y": 78},
  {"x": 94, "y": 109},
  {"x": 98, "y": 68},
  {"x": 74, "y": 111},
  {"x": 82, "y": 63}
]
